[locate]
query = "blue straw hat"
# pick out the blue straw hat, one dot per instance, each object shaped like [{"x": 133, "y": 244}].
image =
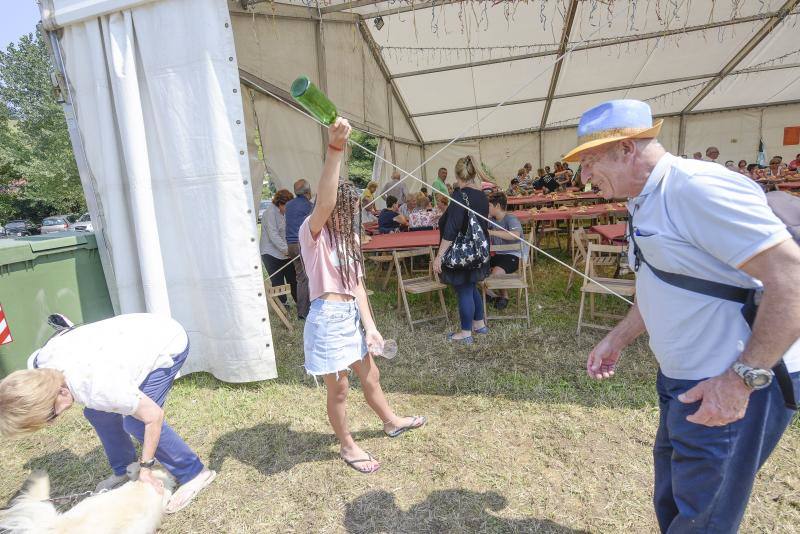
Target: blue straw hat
[{"x": 613, "y": 121}]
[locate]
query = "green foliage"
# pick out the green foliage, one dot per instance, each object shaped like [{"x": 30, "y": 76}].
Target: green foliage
[
  {"x": 38, "y": 174},
  {"x": 361, "y": 161}
]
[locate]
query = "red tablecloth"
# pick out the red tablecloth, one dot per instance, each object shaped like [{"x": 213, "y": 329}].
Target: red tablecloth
[
  {"x": 583, "y": 212},
  {"x": 532, "y": 200},
  {"x": 402, "y": 240},
  {"x": 610, "y": 232},
  {"x": 789, "y": 185}
]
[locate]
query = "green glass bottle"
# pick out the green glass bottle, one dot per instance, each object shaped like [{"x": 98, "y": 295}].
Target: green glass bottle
[{"x": 313, "y": 100}]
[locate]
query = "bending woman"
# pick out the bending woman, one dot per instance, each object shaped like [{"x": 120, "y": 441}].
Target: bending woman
[
  {"x": 121, "y": 369},
  {"x": 454, "y": 221},
  {"x": 333, "y": 339}
]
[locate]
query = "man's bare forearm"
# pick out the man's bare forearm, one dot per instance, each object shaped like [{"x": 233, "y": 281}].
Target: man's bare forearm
[
  {"x": 777, "y": 324},
  {"x": 631, "y": 327}
]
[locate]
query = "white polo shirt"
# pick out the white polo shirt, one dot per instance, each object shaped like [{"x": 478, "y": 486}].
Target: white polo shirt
[
  {"x": 104, "y": 363},
  {"x": 699, "y": 219}
]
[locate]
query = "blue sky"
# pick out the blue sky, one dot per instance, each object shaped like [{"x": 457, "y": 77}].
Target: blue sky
[{"x": 18, "y": 19}]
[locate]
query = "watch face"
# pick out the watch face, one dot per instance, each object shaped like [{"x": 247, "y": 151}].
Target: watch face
[{"x": 758, "y": 378}]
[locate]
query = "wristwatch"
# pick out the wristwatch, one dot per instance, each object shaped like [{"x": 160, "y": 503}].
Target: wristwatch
[
  {"x": 753, "y": 377},
  {"x": 148, "y": 464}
]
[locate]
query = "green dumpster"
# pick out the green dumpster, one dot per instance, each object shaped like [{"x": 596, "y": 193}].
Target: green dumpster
[{"x": 40, "y": 275}]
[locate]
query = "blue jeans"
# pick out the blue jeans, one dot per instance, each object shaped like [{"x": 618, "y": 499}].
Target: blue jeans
[
  {"x": 470, "y": 305},
  {"x": 704, "y": 475},
  {"x": 115, "y": 430}
]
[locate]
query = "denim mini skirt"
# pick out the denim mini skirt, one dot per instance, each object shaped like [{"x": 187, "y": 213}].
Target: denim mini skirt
[{"x": 333, "y": 339}]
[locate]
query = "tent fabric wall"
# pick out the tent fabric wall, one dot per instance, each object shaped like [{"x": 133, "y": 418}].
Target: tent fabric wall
[
  {"x": 737, "y": 133},
  {"x": 172, "y": 176},
  {"x": 292, "y": 144}
]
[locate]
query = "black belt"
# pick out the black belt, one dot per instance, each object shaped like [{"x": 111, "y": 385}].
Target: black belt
[{"x": 745, "y": 297}]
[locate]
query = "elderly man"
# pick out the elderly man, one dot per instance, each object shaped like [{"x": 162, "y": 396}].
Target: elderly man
[
  {"x": 396, "y": 188},
  {"x": 297, "y": 210},
  {"x": 440, "y": 183},
  {"x": 712, "y": 153},
  {"x": 706, "y": 248}
]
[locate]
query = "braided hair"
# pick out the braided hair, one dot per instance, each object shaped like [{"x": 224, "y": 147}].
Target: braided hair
[{"x": 342, "y": 225}]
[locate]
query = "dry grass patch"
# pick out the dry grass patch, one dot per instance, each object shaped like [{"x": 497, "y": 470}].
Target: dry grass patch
[{"x": 519, "y": 440}]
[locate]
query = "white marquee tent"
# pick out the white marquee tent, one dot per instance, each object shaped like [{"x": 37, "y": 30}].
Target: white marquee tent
[{"x": 419, "y": 73}]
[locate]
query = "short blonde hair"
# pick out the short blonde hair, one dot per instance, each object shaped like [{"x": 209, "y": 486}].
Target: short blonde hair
[
  {"x": 27, "y": 400},
  {"x": 422, "y": 199}
]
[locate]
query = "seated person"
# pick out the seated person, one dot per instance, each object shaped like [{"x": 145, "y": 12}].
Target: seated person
[
  {"x": 423, "y": 215},
  {"x": 503, "y": 262},
  {"x": 776, "y": 169},
  {"x": 408, "y": 207},
  {"x": 562, "y": 175},
  {"x": 441, "y": 205},
  {"x": 514, "y": 189},
  {"x": 547, "y": 182},
  {"x": 390, "y": 219},
  {"x": 368, "y": 197}
]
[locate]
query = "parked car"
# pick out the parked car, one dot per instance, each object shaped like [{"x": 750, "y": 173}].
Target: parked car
[
  {"x": 21, "y": 227},
  {"x": 84, "y": 224},
  {"x": 2, "y": 231},
  {"x": 57, "y": 223},
  {"x": 262, "y": 208}
]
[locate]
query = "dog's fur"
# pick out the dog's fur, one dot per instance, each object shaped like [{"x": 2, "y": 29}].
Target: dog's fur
[{"x": 133, "y": 508}]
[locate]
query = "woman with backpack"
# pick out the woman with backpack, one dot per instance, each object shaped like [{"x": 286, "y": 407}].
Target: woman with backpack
[{"x": 463, "y": 258}]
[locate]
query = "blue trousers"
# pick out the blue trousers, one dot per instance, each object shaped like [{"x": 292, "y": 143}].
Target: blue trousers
[
  {"x": 470, "y": 305},
  {"x": 115, "y": 430},
  {"x": 704, "y": 475}
]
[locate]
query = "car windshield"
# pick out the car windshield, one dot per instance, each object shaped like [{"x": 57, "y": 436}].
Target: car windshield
[
  {"x": 16, "y": 224},
  {"x": 52, "y": 222},
  {"x": 85, "y": 218}
]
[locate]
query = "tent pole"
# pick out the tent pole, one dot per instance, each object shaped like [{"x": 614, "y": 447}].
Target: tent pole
[
  {"x": 562, "y": 48},
  {"x": 682, "y": 134},
  {"x": 322, "y": 76},
  {"x": 373, "y": 46},
  {"x": 391, "y": 118},
  {"x": 754, "y": 41}
]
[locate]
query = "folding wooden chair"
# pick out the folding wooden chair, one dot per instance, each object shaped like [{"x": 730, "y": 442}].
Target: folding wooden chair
[
  {"x": 598, "y": 256},
  {"x": 384, "y": 259},
  {"x": 580, "y": 242},
  {"x": 272, "y": 298},
  {"x": 419, "y": 285},
  {"x": 517, "y": 280}
]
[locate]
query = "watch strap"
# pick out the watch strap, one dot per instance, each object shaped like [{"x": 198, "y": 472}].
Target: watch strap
[{"x": 148, "y": 464}]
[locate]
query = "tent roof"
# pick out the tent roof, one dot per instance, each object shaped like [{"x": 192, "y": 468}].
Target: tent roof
[{"x": 453, "y": 63}]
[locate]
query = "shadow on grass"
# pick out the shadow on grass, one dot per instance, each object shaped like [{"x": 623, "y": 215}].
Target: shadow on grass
[
  {"x": 70, "y": 473},
  {"x": 273, "y": 448},
  {"x": 455, "y": 510}
]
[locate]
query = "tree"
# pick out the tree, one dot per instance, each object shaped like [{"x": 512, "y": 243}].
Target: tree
[
  {"x": 361, "y": 161},
  {"x": 38, "y": 174}
]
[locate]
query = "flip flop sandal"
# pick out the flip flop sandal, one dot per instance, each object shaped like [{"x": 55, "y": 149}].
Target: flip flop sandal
[
  {"x": 212, "y": 475},
  {"x": 416, "y": 423},
  {"x": 352, "y": 464}
]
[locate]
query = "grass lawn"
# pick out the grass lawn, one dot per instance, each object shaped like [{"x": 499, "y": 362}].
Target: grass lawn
[{"x": 519, "y": 439}]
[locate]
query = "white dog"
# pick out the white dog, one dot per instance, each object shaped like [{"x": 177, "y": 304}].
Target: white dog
[{"x": 133, "y": 508}]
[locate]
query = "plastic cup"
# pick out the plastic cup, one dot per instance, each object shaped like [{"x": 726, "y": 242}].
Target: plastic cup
[{"x": 388, "y": 351}]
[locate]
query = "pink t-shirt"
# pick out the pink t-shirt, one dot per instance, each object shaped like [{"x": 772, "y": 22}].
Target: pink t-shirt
[{"x": 322, "y": 264}]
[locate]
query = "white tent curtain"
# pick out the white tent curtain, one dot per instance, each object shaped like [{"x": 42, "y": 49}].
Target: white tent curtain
[{"x": 158, "y": 102}]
